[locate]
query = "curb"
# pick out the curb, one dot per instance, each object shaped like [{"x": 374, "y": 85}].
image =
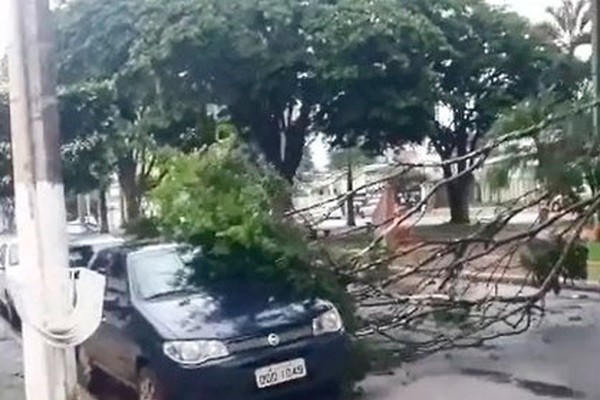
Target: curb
[{"x": 582, "y": 286}]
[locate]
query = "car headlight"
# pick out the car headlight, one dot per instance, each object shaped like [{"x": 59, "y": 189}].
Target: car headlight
[
  {"x": 328, "y": 322},
  {"x": 193, "y": 353}
]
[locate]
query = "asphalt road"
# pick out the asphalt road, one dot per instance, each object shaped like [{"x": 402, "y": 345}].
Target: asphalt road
[{"x": 560, "y": 359}]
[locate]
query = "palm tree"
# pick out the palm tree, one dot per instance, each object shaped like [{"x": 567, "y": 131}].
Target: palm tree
[
  {"x": 562, "y": 154},
  {"x": 570, "y": 26}
]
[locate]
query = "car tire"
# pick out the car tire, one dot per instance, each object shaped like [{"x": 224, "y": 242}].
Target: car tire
[{"x": 149, "y": 387}]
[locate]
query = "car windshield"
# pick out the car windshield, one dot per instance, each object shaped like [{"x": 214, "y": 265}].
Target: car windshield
[
  {"x": 160, "y": 273},
  {"x": 79, "y": 256}
]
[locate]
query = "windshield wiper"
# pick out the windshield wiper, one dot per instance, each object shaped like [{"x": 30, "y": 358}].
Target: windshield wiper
[{"x": 169, "y": 293}]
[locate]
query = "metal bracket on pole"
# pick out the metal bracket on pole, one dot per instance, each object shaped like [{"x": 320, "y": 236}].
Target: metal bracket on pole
[{"x": 82, "y": 320}]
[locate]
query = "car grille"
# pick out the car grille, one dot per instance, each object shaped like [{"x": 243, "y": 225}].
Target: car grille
[{"x": 259, "y": 342}]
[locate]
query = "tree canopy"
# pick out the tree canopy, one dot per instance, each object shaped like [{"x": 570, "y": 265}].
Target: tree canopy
[
  {"x": 145, "y": 74},
  {"x": 492, "y": 62}
]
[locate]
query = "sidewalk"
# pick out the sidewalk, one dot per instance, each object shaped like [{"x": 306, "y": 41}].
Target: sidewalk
[{"x": 11, "y": 366}]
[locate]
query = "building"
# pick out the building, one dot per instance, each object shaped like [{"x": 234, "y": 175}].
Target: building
[{"x": 521, "y": 180}]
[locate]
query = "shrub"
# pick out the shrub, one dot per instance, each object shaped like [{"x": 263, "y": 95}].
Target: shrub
[
  {"x": 542, "y": 253},
  {"x": 142, "y": 228}
]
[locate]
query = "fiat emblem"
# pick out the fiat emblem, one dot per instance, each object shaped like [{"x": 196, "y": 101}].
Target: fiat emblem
[{"x": 273, "y": 340}]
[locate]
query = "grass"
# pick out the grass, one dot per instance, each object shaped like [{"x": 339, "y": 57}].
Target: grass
[
  {"x": 594, "y": 249},
  {"x": 594, "y": 261}
]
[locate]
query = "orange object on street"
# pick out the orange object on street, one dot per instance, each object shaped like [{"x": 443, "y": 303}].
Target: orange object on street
[{"x": 386, "y": 220}]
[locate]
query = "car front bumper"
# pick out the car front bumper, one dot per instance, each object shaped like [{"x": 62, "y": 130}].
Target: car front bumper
[{"x": 233, "y": 378}]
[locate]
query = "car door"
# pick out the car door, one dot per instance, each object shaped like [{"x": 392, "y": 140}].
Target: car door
[
  {"x": 98, "y": 347},
  {"x": 118, "y": 320},
  {"x": 107, "y": 348}
]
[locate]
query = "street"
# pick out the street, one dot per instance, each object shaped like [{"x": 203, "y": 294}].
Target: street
[{"x": 559, "y": 359}]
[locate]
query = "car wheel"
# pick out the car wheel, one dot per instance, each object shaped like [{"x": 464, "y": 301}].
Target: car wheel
[{"x": 149, "y": 388}]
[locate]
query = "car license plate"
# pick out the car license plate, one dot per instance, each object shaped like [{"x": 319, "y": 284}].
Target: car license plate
[{"x": 277, "y": 374}]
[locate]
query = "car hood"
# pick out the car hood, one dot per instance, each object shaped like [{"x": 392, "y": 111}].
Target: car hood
[{"x": 236, "y": 314}]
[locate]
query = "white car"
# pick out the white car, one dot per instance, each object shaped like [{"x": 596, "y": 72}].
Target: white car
[
  {"x": 83, "y": 249},
  {"x": 9, "y": 261}
]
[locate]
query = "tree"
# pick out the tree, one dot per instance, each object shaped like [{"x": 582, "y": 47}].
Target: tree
[
  {"x": 222, "y": 200},
  {"x": 248, "y": 56},
  {"x": 281, "y": 68},
  {"x": 111, "y": 98},
  {"x": 348, "y": 160},
  {"x": 394, "y": 72},
  {"x": 491, "y": 64},
  {"x": 570, "y": 27},
  {"x": 563, "y": 155},
  {"x": 374, "y": 64}
]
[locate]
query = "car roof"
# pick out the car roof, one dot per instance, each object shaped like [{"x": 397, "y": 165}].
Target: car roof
[
  {"x": 140, "y": 247},
  {"x": 92, "y": 240}
]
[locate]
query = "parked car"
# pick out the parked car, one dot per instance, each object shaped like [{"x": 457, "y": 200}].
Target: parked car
[
  {"x": 83, "y": 248},
  {"x": 9, "y": 261},
  {"x": 81, "y": 251},
  {"x": 170, "y": 340}
]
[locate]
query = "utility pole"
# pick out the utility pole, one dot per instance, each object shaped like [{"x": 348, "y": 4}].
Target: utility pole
[
  {"x": 39, "y": 195},
  {"x": 596, "y": 64}
]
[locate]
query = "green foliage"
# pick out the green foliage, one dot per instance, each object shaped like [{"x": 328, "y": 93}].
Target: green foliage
[
  {"x": 340, "y": 159},
  {"x": 143, "y": 228},
  {"x": 540, "y": 257},
  {"x": 491, "y": 63},
  {"x": 562, "y": 154},
  {"x": 364, "y": 73},
  {"x": 249, "y": 56},
  {"x": 373, "y": 60},
  {"x": 104, "y": 95},
  {"x": 94, "y": 38},
  {"x": 222, "y": 201}
]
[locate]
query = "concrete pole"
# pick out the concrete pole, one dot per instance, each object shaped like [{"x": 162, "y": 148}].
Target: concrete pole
[
  {"x": 39, "y": 195},
  {"x": 596, "y": 63},
  {"x": 596, "y": 76}
]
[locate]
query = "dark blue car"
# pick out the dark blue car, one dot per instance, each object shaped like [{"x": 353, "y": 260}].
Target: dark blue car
[{"x": 169, "y": 341}]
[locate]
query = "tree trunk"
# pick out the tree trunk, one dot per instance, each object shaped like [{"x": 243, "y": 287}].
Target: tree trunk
[
  {"x": 458, "y": 191},
  {"x": 350, "y": 217},
  {"x": 132, "y": 204},
  {"x": 458, "y": 200},
  {"x": 271, "y": 139},
  {"x": 130, "y": 188},
  {"x": 81, "y": 214},
  {"x": 103, "y": 211},
  {"x": 459, "y": 186}
]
